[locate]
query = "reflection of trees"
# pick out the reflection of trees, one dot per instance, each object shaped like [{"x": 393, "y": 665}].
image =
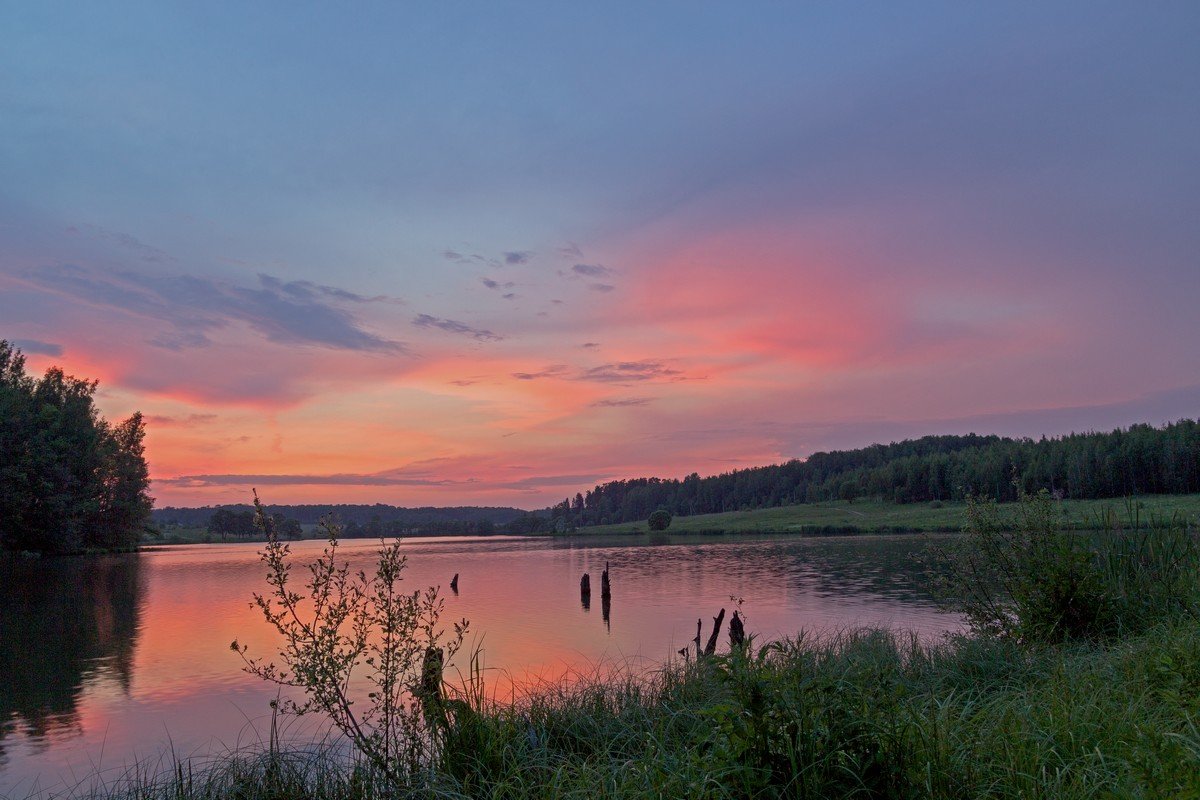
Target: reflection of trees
[{"x": 63, "y": 622}]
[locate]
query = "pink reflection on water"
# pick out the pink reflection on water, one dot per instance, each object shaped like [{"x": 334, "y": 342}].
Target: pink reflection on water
[{"x": 182, "y": 689}]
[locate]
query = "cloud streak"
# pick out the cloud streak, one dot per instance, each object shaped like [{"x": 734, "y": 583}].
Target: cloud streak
[
  {"x": 193, "y": 307},
  {"x": 454, "y": 326},
  {"x": 630, "y": 372},
  {"x": 36, "y": 347},
  {"x": 622, "y": 402}
]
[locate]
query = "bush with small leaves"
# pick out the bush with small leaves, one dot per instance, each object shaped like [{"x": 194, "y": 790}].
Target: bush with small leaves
[{"x": 344, "y": 620}]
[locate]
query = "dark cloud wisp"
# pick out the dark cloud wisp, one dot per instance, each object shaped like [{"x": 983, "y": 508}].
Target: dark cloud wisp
[
  {"x": 630, "y": 371},
  {"x": 284, "y": 312},
  {"x": 36, "y": 347},
  {"x": 454, "y": 326}
]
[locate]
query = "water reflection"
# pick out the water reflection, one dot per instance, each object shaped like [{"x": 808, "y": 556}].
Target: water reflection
[
  {"x": 73, "y": 690},
  {"x": 63, "y": 624}
]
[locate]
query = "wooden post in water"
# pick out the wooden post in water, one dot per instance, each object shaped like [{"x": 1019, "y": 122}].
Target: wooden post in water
[
  {"x": 699, "y": 627},
  {"x": 454, "y": 583},
  {"x": 737, "y": 631},
  {"x": 605, "y": 598},
  {"x": 431, "y": 674},
  {"x": 585, "y": 591},
  {"x": 711, "y": 647}
]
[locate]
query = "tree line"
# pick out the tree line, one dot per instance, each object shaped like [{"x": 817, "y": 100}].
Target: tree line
[
  {"x": 241, "y": 524},
  {"x": 69, "y": 480},
  {"x": 1142, "y": 459},
  {"x": 361, "y": 514}
]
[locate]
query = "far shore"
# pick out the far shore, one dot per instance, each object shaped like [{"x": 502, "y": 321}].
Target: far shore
[{"x": 829, "y": 518}]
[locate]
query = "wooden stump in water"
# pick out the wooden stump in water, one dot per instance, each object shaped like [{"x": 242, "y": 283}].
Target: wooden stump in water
[
  {"x": 431, "y": 674},
  {"x": 699, "y": 627},
  {"x": 737, "y": 631},
  {"x": 605, "y": 589},
  {"x": 711, "y": 647},
  {"x": 454, "y": 583},
  {"x": 585, "y": 590}
]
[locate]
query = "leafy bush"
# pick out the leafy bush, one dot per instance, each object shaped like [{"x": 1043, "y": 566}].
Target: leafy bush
[
  {"x": 345, "y": 620},
  {"x": 660, "y": 520},
  {"x": 1028, "y": 579}
]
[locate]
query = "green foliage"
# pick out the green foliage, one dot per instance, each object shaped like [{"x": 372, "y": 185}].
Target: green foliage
[
  {"x": 1138, "y": 460},
  {"x": 866, "y": 714},
  {"x": 227, "y": 523},
  {"x": 69, "y": 481},
  {"x": 342, "y": 621},
  {"x": 1029, "y": 579},
  {"x": 660, "y": 520}
]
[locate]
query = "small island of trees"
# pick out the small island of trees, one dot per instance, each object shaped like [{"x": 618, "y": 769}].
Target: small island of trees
[{"x": 70, "y": 481}]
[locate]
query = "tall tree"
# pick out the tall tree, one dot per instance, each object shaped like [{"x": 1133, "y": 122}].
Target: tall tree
[{"x": 69, "y": 481}]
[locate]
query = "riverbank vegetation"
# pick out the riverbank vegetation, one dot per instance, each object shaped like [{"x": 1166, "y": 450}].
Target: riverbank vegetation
[
  {"x": 1079, "y": 677},
  {"x": 69, "y": 480}
]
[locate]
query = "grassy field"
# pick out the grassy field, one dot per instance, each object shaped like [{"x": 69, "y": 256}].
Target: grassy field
[{"x": 867, "y": 516}]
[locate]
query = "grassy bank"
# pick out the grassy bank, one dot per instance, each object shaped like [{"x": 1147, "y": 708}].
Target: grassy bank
[
  {"x": 867, "y": 715},
  {"x": 1081, "y": 680},
  {"x": 872, "y": 516}
]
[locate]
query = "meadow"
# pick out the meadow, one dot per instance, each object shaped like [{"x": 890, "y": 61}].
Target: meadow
[{"x": 875, "y": 516}]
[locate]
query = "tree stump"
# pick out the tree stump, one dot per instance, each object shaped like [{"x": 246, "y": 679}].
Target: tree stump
[
  {"x": 431, "y": 674},
  {"x": 711, "y": 647},
  {"x": 737, "y": 631},
  {"x": 585, "y": 590},
  {"x": 454, "y": 583},
  {"x": 605, "y": 589}
]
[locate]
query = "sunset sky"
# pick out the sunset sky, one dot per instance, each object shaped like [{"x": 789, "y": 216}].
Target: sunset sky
[{"x": 498, "y": 253}]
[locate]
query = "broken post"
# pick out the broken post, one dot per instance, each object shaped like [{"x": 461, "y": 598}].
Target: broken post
[
  {"x": 585, "y": 590},
  {"x": 605, "y": 590},
  {"x": 711, "y": 647},
  {"x": 431, "y": 674},
  {"x": 699, "y": 627},
  {"x": 737, "y": 631},
  {"x": 454, "y": 583}
]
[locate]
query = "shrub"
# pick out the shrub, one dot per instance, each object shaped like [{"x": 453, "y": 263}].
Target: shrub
[
  {"x": 1028, "y": 579},
  {"x": 344, "y": 620},
  {"x": 660, "y": 520}
]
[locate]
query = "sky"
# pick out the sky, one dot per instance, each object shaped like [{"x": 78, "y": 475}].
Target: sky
[{"x": 496, "y": 254}]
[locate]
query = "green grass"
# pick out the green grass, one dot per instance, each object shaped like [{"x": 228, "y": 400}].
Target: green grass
[
  {"x": 873, "y": 516},
  {"x": 866, "y": 715}
]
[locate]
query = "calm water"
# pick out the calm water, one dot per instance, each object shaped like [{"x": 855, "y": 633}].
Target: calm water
[{"x": 108, "y": 661}]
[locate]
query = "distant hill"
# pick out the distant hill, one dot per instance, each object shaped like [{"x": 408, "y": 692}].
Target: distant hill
[{"x": 359, "y": 514}]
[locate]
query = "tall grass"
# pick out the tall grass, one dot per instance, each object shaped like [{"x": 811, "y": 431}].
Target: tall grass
[
  {"x": 867, "y": 714},
  {"x": 1025, "y": 576}
]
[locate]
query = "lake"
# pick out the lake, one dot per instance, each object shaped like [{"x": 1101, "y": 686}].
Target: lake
[{"x": 113, "y": 660}]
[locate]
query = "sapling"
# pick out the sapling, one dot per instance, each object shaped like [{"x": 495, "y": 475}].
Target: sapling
[{"x": 345, "y": 624}]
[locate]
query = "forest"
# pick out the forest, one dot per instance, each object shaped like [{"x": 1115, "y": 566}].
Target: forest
[
  {"x": 69, "y": 480},
  {"x": 1141, "y": 459}
]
